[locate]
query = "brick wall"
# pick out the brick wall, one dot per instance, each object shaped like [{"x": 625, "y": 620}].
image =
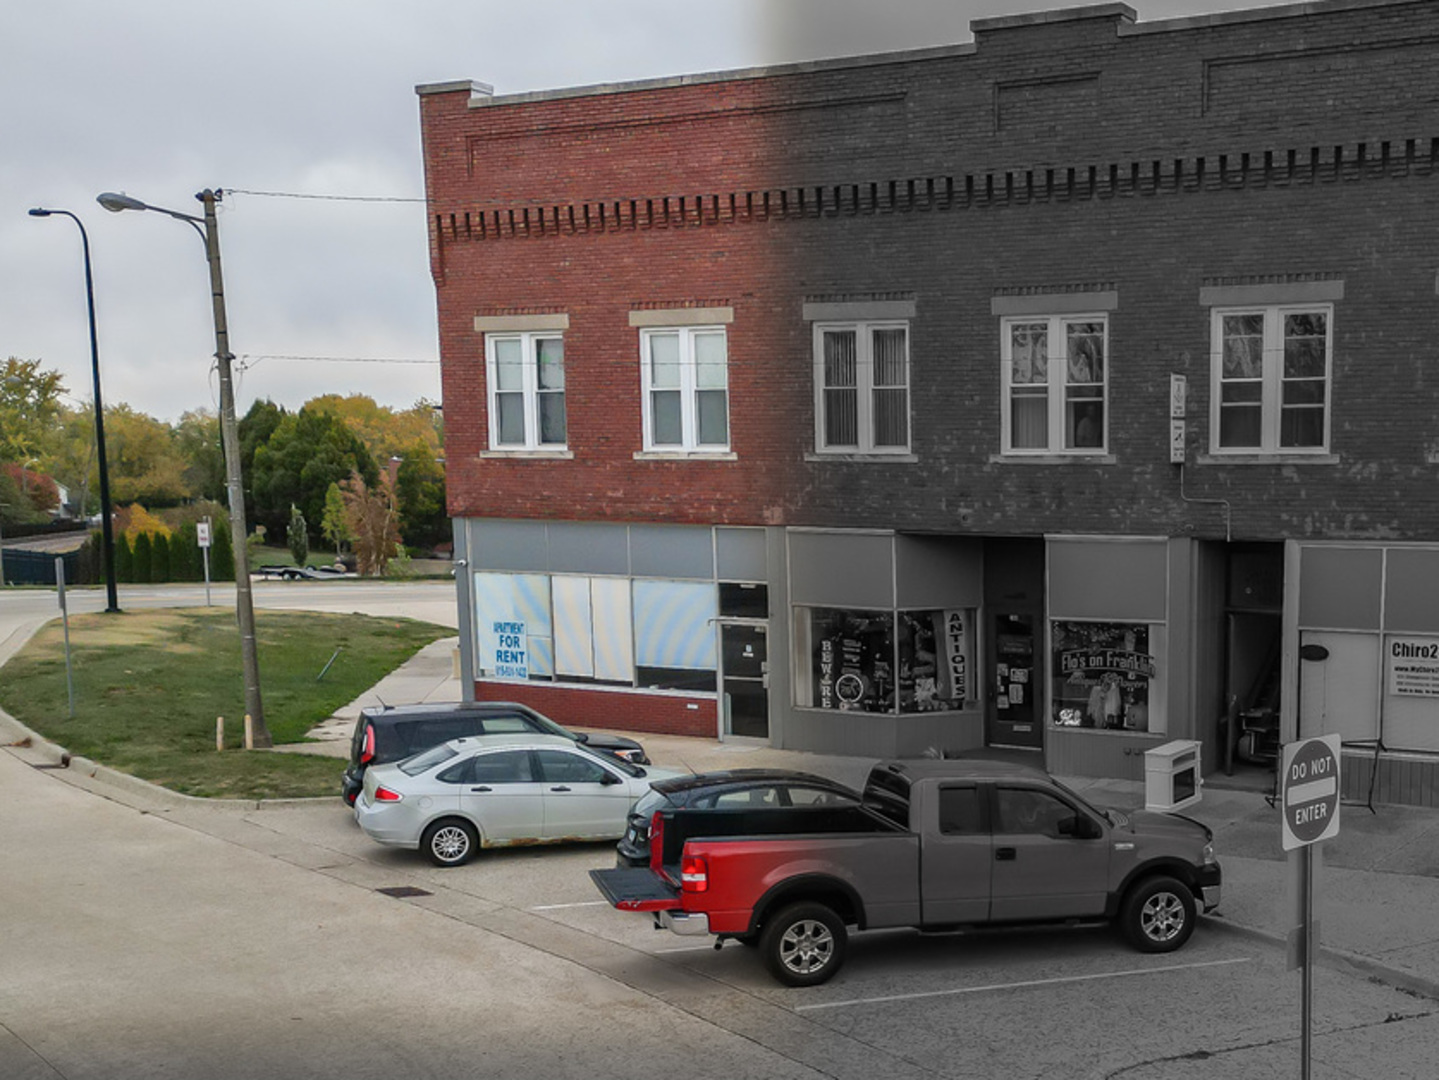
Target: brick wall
[
  {"x": 580, "y": 707},
  {"x": 1150, "y": 159}
]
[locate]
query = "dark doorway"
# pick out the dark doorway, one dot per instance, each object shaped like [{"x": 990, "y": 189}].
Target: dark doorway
[
  {"x": 1254, "y": 603},
  {"x": 1014, "y": 643}
]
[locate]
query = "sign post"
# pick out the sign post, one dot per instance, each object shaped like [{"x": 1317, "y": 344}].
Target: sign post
[
  {"x": 202, "y": 535},
  {"x": 1309, "y": 798}
]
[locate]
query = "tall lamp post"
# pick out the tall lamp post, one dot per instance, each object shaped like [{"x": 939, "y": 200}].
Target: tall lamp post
[
  {"x": 209, "y": 229},
  {"x": 107, "y": 529}
]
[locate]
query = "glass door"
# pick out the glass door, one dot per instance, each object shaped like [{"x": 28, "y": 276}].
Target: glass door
[
  {"x": 1012, "y": 717},
  {"x": 744, "y": 679}
]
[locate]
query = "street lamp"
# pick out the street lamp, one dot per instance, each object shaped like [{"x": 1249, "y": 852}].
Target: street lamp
[
  {"x": 209, "y": 229},
  {"x": 107, "y": 530}
]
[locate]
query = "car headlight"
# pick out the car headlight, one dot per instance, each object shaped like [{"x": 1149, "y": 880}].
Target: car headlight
[{"x": 1208, "y": 856}]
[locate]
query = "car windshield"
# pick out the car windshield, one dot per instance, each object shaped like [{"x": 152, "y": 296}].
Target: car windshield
[{"x": 427, "y": 759}]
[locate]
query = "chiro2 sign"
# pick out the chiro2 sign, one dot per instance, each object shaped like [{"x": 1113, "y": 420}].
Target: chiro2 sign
[{"x": 1309, "y": 794}]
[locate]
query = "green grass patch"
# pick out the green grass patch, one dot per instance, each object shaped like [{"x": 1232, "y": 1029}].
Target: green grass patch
[{"x": 149, "y": 685}]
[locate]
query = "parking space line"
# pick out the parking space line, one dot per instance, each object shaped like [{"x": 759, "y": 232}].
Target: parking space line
[
  {"x": 581, "y": 903},
  {"x": 1020, "y": 985}
]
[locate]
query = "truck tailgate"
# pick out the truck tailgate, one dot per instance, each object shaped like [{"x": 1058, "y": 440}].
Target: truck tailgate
[{"x": 636, "y": 889}]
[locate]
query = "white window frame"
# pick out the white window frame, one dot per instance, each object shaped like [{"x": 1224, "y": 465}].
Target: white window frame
[
  {"x": 688, "y": 390},
  {"x": 530, "y": 389},
  {"x": 1057, "y": 385},
  {"x": 1271, "y": 381},
  {"x": 865, "y": 388}
]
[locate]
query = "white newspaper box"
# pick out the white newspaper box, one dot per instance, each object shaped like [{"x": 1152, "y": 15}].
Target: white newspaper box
[{"x": 1172, "y": 776}]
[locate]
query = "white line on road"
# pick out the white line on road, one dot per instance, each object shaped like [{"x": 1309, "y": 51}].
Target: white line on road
[
  {"x": 1020, "y": 985},
  {"x": 583, "y": 903}
]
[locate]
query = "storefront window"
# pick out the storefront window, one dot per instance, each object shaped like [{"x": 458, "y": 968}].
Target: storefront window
[
  {"x": 936, "y": 660},
  {"x": 1105, "y": 676},
  {"x": 851, "y": 659}
]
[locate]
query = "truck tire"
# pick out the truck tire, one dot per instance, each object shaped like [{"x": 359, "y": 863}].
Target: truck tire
[
  {"x": 803, "y": 944},
  {"x": 1158, "y": 915}
]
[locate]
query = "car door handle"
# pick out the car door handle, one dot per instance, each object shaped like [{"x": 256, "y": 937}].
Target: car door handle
[
  {"x": 480, "y": 789},
  {"x": 560, "y": 788},
  {"x": 1005, "y": 854}
]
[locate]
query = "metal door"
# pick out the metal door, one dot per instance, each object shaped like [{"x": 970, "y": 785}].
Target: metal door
[{"x": 744, "y": 678}]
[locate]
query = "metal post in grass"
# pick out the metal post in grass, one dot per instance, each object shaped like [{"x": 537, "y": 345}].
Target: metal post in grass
[{"x": 65, "y": 618}]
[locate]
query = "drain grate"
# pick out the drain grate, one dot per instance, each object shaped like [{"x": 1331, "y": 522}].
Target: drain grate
[{"x": 399, "y": 892}]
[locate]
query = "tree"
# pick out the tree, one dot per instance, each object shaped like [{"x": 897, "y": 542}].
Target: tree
[
  {"x": 197, "y": 440},
  {"x": 420, "y": 489},
  {"x": 306, "y": 454},
  {"x": 222, "y": 552},
  {"x": 335, "y": 525},
  {"x": 145, "y": 464},
  {"x": 255, "y": 429},
  {"x": 124, "y": 559},
  {"x": 160, "y": 558},
  {"x": 298, "y": 536},
  {"x": 29, "y": 407},
  {"x": 144, "y": 558},
  {"x": 385, "y": 432},
  {"x": 373, "y": 520}
]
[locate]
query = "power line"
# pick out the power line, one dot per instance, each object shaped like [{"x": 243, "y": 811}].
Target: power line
[
  {"x": 257, "y": 357},
  {"x": 330, "y": 198}
]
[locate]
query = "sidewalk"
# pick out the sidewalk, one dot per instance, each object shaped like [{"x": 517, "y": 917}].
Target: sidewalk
[{"x": 1376, "y": 883}]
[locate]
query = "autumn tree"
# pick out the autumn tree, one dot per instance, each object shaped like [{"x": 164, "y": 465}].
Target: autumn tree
[
  {"x": 335, "y": 525},
  {"x": 29, "y": 406},
  {"x": 385, "y": 432},
  {"x": 197, "y": 441},
  {"x": 420, "y": 489},
  {"x": 374, "y": 521},
  {"x": 145, "y": 465}
]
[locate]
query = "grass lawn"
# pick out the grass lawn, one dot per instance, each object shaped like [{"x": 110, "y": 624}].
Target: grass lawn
[{"x": 149, "y": 685}]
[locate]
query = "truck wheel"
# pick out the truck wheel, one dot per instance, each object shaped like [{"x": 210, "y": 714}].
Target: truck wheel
[
  {"x": 1158, "y": 915},
  {"x": 450, "y": 842},
  {"x": 803, "y": 944}
]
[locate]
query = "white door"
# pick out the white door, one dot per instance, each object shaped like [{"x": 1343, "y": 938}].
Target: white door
[
  {"x": 503, "y": 796},
  {"x": 579, "y": 803}
]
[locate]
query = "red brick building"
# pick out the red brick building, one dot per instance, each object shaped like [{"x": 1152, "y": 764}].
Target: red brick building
[{"x": 1054, "y": 391}]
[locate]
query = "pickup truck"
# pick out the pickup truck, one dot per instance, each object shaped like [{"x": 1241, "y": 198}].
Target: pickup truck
[{"x": 936, "y": 845}]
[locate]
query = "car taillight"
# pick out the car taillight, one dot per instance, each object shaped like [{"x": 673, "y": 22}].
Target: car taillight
[
  {"x": 694, "y": 873},
  {"x": 367, "y": 755},
  {"x": 657, "y": 841},
  {"x": 384, "y": 794}
]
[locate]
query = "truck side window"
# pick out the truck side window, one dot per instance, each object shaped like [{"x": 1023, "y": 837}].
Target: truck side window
[
  {"x": 959, "y": 811},
  {"x": 1035, "y": 813}
]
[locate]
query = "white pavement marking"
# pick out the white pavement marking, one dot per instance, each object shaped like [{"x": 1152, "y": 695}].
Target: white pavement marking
[
  {"x": 1020, "y": 985},
  {"x": 583, "y": 903}
]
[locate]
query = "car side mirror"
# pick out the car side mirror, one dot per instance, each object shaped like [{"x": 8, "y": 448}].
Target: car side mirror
[
  {"x": 582, "y": 737},
  {"x": 611, "y": 778}
]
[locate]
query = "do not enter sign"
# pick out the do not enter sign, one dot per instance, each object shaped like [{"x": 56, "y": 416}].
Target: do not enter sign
[{"x": 1310, "y": 791}]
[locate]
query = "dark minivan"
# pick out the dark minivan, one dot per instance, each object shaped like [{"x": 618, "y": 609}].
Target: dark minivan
[{"x": 391, "y": 732}]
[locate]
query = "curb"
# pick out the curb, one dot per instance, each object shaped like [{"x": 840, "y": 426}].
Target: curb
[
  {"x": 15, "y": 735},
  {"x": 1336, "y": 959}
]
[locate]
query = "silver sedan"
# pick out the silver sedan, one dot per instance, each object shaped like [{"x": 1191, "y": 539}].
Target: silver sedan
[{"x": 499, "y": 790}]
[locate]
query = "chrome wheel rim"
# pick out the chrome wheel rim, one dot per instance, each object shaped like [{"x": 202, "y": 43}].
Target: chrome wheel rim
[
  {"x": 806, "y": 946},
  {"x": 450, "y": 843},
  {"x": 1162, "y": 917}
]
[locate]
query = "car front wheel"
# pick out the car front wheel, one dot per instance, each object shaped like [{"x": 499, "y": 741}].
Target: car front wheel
[
  {"x": 1158, "y": 915},
  {"x": 803, "y": 944},
  {"x": 450, "y": 842}
]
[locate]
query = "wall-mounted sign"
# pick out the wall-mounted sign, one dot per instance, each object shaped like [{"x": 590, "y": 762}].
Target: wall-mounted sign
[
  {"x": 1414, "y": 667},
  {"x": 1178, "y": 396},
  {"x": 958, "y": 653},
  {"x": 511, "y": 654}
]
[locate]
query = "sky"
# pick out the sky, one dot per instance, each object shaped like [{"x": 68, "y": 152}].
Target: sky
[{"x": 271, "y": 99}]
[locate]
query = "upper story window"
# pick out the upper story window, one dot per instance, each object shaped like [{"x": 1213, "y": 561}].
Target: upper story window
[
  {"x": 1270, "y": 390},
  {"x": 686, "y": 388},
  {"x": 861, "y": 380},
  {"x": 1055, "y": 384},
  {"x": 525, "y": 373}
]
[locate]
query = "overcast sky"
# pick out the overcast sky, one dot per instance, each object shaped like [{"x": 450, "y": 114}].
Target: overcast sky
[{"x": 161, "y": 98}]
